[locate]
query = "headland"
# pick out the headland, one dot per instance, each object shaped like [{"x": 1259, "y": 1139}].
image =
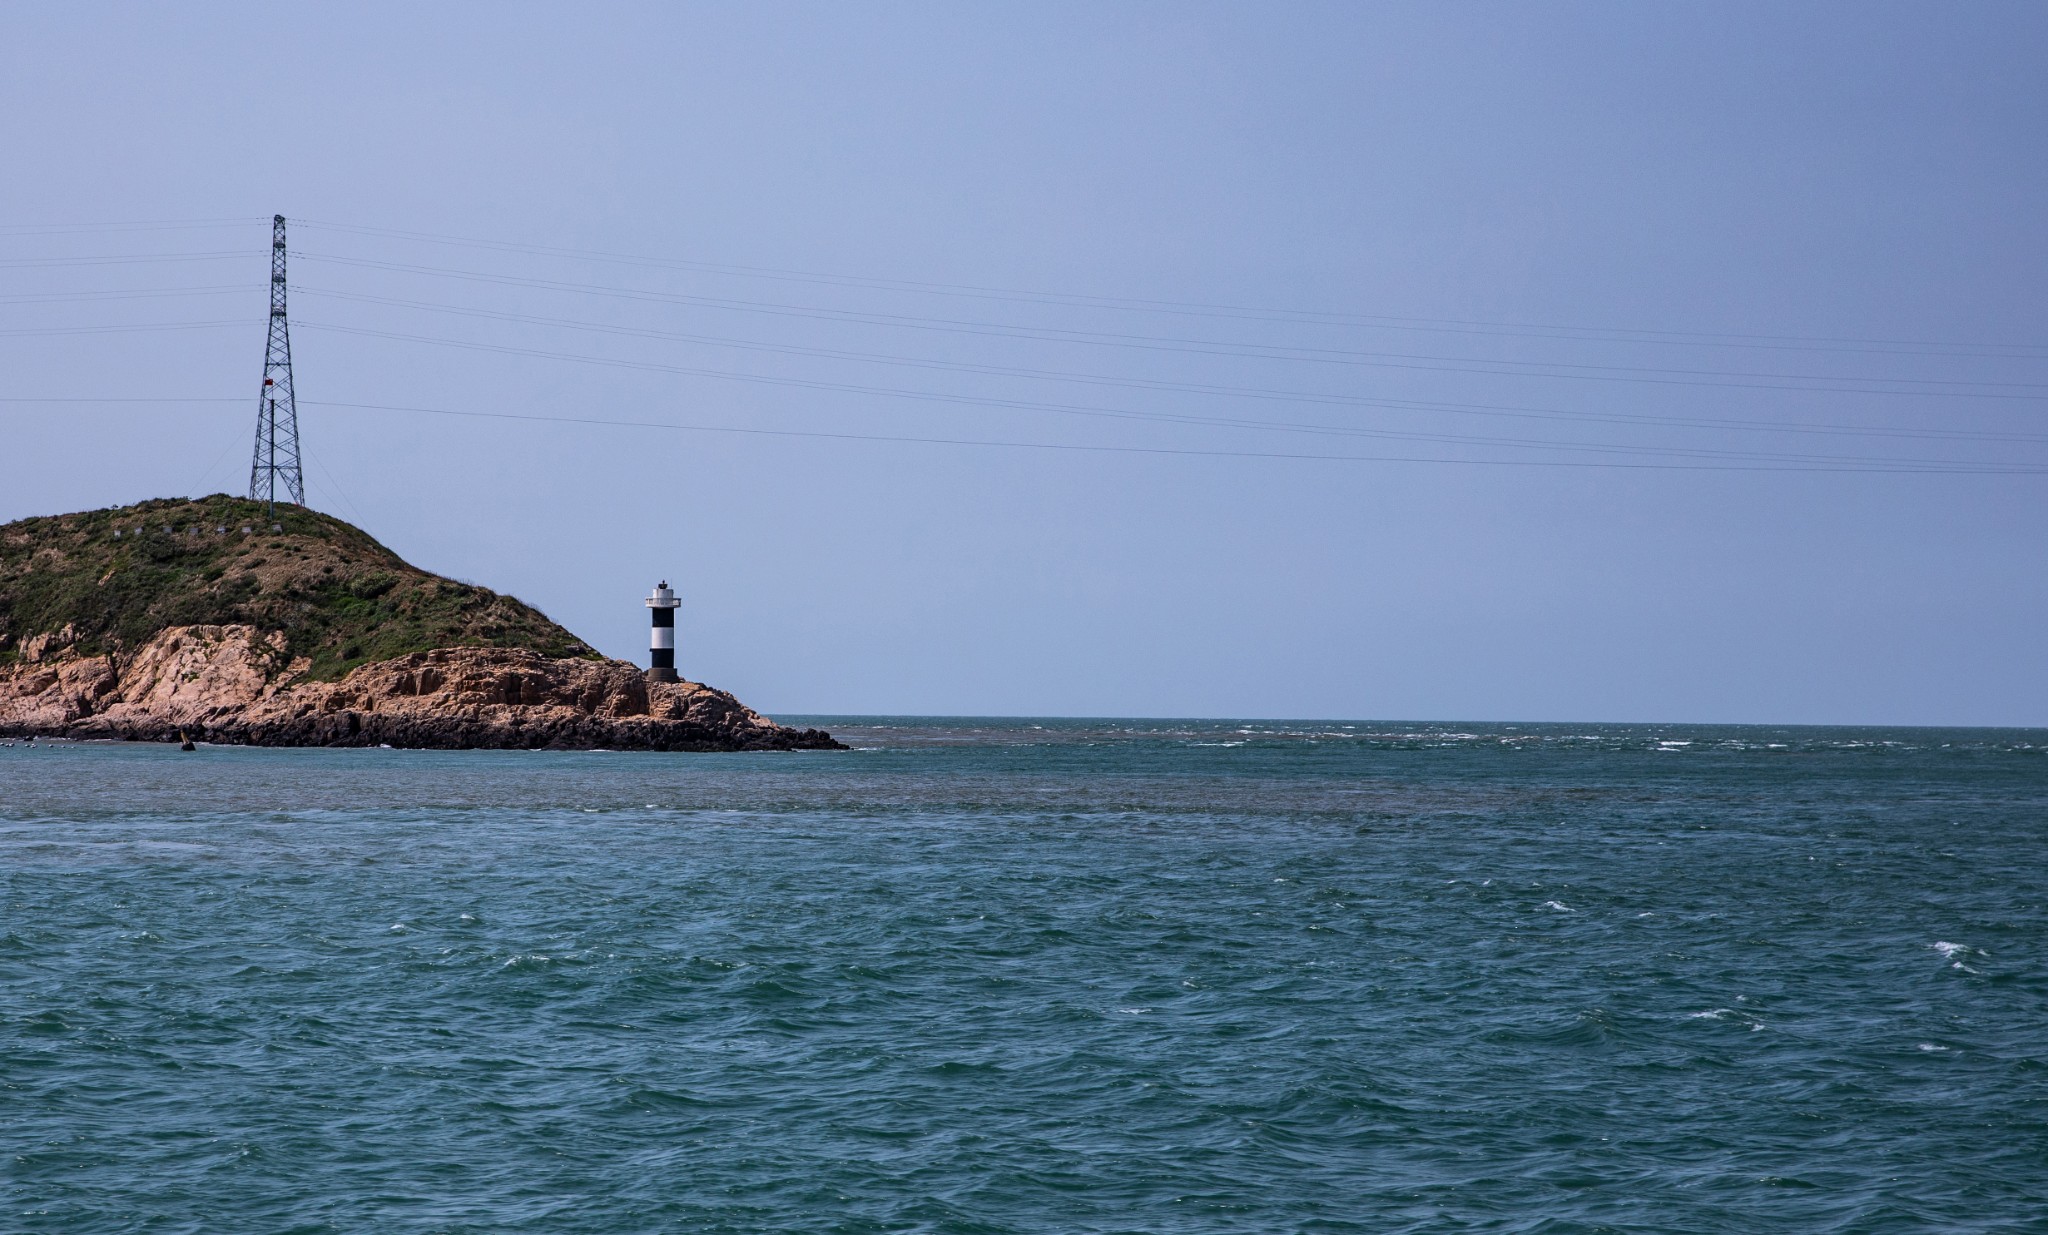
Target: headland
[{"x": 230, "y": 622}]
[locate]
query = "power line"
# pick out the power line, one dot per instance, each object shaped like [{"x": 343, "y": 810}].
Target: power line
[
  {"x": 127, "y": 259},
  {"x": 1091, "y": 379},
  {"x": 1013, "y": 295},
  {"x": 1761, "y": 462},
  {"x": 140, "y": 328},
  {"x": 1083, "y": 410},
  {"x": 158, "y": 225},
  {"x": 1395, "y": 405},
  {"x": 1702, "y": 458},
  {"x": 206, "y": 476},
  {"x": 1989, "y": 469},
  {"x": 1267, "y": 394},
  {"x": 239, "y": 289},
  {"x": 335, "y": 485},
  {"x": 1325, "y": 356},
  {"x": 1313, "y": 429},
  {"x": 1196, "y": 308}
]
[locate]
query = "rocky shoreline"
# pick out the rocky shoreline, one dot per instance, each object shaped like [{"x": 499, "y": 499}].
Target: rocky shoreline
[{"x": 235, "y": 685}]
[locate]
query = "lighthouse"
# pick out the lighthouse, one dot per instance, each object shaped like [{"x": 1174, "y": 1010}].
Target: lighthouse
[{"x": 661, "y": 640}]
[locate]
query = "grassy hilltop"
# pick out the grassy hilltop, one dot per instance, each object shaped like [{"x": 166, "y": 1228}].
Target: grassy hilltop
[{"x": 117, "y": 577}]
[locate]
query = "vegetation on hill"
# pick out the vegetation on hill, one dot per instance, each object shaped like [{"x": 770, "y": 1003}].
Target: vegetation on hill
[{"x": 108, "y": 580}]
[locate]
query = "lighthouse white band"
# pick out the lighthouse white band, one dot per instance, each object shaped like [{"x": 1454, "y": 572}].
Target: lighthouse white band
[{"x": 662, "y": 637}]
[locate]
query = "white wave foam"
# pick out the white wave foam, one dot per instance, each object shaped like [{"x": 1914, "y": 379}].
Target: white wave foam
[
  {"x": 1951, "y": 951},
  {"x": 1560, "y": 908}
]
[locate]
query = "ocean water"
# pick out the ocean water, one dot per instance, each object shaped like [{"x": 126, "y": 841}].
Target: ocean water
[{"x": 994, "y": 976}]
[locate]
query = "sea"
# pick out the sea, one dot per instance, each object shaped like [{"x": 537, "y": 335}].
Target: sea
[{"x": 1003, "y": 975}]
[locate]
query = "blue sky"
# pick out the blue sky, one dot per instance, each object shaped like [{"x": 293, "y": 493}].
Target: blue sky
[{"x": 1665, "y": 362}]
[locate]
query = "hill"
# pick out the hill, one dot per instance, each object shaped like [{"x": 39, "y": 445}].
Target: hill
[
  {"x": 105, "y": 582},
  {"x": 217, "y": 620}
]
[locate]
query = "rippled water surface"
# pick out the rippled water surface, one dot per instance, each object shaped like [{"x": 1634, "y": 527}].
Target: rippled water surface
[{"x": 986, "y": 976}]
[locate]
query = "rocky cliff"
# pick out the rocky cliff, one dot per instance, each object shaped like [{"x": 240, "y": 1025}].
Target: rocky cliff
[
  {"x": 302, "y": 631},
  {"x": 232, "y": 684}
]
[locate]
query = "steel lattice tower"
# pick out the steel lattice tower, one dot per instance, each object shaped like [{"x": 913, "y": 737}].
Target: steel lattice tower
[{"x": 277, "y": 416}]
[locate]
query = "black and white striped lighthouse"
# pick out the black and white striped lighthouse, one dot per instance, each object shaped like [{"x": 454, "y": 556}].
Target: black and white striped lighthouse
[{"x": 661, "y": 641}]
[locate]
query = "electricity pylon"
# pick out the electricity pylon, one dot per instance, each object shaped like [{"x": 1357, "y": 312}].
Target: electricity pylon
[{"x": 277, "y": 416}]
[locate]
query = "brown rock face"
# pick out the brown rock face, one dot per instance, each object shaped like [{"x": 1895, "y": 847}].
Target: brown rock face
[{"x": 235, "y": 684}]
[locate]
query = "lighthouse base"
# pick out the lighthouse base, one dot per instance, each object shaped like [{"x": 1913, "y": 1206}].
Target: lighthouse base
[{"x": 663, "y": 674}]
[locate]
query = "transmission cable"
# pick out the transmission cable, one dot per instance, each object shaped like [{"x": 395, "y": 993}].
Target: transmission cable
[
  {"x": 1092, "y": 379},
  {"x": 1082, "y": 410},
  {"x": 1377, "y": 360},
  {"x": 1993, "y": 469},
  {"x": 1193, "y": 308}
]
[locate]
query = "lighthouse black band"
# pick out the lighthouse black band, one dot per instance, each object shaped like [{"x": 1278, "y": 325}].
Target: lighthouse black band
[{"x": 661, "y": 640}]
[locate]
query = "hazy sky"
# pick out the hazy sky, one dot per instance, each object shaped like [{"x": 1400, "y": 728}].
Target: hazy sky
[{"x": 1776, "y": 271}]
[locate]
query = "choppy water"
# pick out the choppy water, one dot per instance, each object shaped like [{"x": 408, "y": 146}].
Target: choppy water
[{"x": 1034, "y": 976}]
